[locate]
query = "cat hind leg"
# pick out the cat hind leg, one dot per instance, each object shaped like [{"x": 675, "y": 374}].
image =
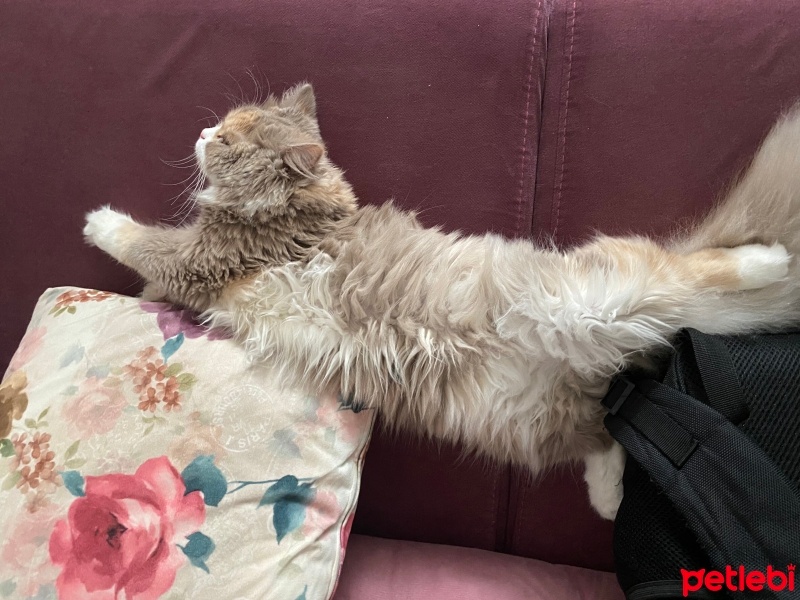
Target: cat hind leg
[{"x": 759, "y": 265}]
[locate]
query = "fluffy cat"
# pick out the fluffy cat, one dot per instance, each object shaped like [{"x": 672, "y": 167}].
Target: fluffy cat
[{"x": 499, "y": 344}]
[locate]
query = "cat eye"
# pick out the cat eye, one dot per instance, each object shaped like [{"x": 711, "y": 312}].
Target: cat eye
[{"x": 221, "y": 138}]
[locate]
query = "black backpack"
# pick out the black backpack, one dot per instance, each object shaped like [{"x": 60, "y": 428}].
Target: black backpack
[{"x": 712, "y": 482}]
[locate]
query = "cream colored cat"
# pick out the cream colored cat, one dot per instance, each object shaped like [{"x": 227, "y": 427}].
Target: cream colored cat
[{"x": 499, "y": 344}]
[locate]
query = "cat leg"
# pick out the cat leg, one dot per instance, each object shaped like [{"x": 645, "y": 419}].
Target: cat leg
[
  {"x": 749, "y": 267},
  {"x": 639, "y": 293},
  {"x": 113, "y": 232},
  {"x": 603, "y": 476},
  {"x": 152, "y": 251},
  {"x": 153, "y": 292}
]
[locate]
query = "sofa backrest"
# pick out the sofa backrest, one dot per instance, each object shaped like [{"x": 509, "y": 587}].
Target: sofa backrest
[{"x": 543, "y": 119}]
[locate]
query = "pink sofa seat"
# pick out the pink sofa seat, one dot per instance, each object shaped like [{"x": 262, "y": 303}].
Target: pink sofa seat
[{"x": 380, "y": 569}]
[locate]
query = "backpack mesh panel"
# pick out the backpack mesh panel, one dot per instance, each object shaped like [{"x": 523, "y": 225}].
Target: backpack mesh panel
[{"x": 651, "y": 540}]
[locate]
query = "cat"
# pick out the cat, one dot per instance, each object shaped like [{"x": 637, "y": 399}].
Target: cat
[{"x": 499, "y": 344}]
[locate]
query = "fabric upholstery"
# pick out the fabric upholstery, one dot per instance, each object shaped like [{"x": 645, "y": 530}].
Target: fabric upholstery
[
  {"x": 523, "y": 117},
  {"x": 377, "y": 569},
  {"x": 652, "y": 108}
]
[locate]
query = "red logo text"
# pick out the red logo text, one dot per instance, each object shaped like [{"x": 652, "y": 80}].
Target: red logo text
[{"x": 738, "y": 580}]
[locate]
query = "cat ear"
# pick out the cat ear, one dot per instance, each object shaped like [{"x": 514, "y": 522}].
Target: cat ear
[
  {"x": 301, "y": 97},
  {"x": 302, "y": 159}
]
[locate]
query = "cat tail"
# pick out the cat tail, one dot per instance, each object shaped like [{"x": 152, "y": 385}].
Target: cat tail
[{"x": 762, "y": 207}]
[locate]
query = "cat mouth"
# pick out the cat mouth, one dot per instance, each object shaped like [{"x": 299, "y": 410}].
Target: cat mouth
[
  {"x": 206, "y": 135},
  {"x": 200, "y": 151}
]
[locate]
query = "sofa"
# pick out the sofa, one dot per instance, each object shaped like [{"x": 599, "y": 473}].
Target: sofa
[{"x": 541, "y": 119}]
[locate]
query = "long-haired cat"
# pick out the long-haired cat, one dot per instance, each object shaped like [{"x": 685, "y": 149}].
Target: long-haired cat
[{"x": 502, "y": 345}]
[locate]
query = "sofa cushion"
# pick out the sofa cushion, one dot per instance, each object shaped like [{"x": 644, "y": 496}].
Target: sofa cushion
[
  {"x": 428, "y": 491},
  {"x": 380, "y": 569}
]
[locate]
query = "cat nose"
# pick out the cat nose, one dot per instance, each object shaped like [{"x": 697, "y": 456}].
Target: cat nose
[{"x": 205, "y": 133}]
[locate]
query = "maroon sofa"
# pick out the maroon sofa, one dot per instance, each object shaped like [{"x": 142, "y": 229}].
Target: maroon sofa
[{"x": 542, "y": 119}]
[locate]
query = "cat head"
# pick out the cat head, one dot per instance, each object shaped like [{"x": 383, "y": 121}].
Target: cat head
[{"x": 261, "y": 158}]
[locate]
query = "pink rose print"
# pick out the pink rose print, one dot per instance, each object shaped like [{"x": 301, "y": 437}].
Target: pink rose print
[
  {"x": 120, "y": 538},
  {"x": 321, "y": 514},
  {"x": 95, "y": 408},
  {"x": 199, "y": 439},
  {"x": 28, "y": 347},
  {"x": 24, "y": 552}
]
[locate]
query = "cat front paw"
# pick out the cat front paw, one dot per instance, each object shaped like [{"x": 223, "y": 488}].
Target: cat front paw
[
  {"x": 109, "y": 230},
  {"x": 760, "y": 266},
  {"x": 153, "y": 292},
  {"x": 603, "y": 476}
]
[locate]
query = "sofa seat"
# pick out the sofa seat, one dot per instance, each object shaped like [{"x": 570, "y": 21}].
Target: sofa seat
[{"x": 381, "y": 569}]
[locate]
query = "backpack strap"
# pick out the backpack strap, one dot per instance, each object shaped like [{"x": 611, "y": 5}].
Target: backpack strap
[
  {"x": 632, "y": 406},
  {"x": 719, "y": 376},
  {"x": 740, "y": 505}
]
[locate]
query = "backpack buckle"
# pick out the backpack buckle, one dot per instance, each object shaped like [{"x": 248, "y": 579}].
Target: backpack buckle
[{"x": 617, "y": 394}]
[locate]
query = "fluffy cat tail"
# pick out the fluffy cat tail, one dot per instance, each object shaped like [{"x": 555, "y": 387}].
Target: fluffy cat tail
[{"x": 763, "y": 207}]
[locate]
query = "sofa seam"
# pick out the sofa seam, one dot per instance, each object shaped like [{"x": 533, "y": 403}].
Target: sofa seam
[
  {"x": 509, "y": 533},
  {"x": 563, "y": 122},
  {"x": 519, "y": 522},
  {"x": 496, "y": 503},
  {"x": 526, "y": 120},
  {"x": 539, "y": 137}
]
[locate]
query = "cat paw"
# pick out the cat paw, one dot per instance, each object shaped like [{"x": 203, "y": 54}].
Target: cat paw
[
  {"x": 760, "y": 266},
  {"x": 105, "y": 228},
  {"x": 152, "y": 292},
  {"x": 603, "y": 476}
]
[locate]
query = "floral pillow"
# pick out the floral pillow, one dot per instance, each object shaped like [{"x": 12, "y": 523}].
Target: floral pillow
[{"x": 143, "y": 457}]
